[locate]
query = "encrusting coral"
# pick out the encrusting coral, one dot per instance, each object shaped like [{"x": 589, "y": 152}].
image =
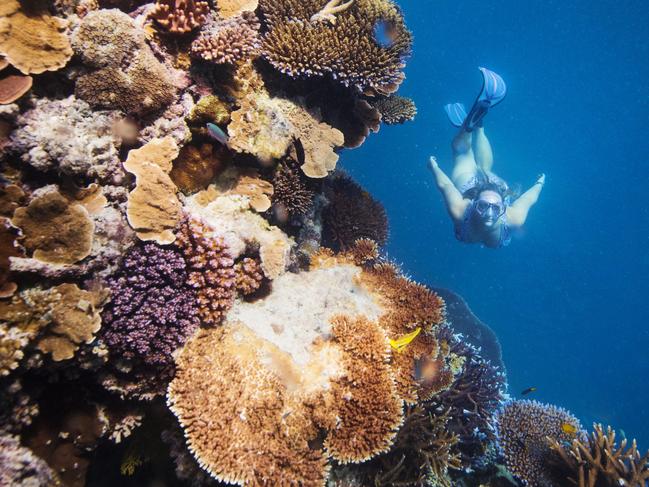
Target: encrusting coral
[
  {"x": 232, "y": 8},
  {"x": 299, "y": 44},
  {"x": 526, "y": 430},
  {"x": 153, "y": 310},
  {"x": 123, "y": 71},
  {"x": 180, "y": 16},
  {"x": 153, "y": 209},
  {"x": 395, "y": 109},
  {"x": 68, "y": 136},
  {"x": 32, "y": 40},
  {"x": 197, "y": 166},
  {"x": 228, "y": 41}
]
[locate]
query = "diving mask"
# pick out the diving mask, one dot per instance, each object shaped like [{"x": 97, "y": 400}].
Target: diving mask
[{"x": 493, "y": 210}]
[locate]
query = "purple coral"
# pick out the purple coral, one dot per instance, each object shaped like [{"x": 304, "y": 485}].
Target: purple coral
[{"x": 153, "y": 311}]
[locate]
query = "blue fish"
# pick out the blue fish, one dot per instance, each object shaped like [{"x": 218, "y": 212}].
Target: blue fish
[
  {"x": 217, "y": 133},
  {"x": 384, "y": 33}
]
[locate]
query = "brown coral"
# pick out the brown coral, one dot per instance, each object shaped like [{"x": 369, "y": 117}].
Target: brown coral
[
  {"x": 153, "y": 209},
  {"x": 32, "y": 41},
  {"x": 180, "y": 16},
  {"x": 13, "y": 87},
  {"x": 55, "y": 229},
  {"x": 599, "y": 461},
  {"x": 342, "y": 45},
  {"x": 249, "y": 275},
  {"x": 232, "y": 8},
  {"x": 8, "y": 248},
  {"x": 211, "y": 270},
  {"x": 395, "y": 109},
  {"x": 196, "y": 167},
  {"x": 290, "y": 191},
  {"x": 229, "y": 41}
]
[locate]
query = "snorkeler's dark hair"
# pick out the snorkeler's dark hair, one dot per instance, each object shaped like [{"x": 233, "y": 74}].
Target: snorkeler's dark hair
[{"x": 474, "y": 192}]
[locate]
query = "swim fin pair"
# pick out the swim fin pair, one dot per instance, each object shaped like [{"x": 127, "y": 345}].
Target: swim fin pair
[{"x": 493, "y": 92}]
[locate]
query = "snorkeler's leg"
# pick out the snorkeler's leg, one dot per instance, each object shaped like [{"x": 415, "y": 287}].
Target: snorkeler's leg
[
  {"x": 483, "y": 154},
  {"x": 464, "y": 166}
]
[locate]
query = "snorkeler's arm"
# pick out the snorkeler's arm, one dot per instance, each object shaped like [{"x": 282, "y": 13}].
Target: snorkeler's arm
[
  {"x": 517, "y": 212},
  {"x": 455, "y": 204}
]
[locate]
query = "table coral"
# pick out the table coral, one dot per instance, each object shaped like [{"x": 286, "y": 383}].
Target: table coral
[
  {"x": 153, "y": 209},
  {"x": 127, "y": 75},
  {"x": 180, "y": 16},
  {"x": 32, "y": 41},
  {"x": 395, "y": 109},
  {"x": 345, "y": 49},
  {"x": 68, "y": 136},
  {"x": 229, "y": 41},
  {"x": 152, "y": 310},
  {"x": 55, "y": 229}
]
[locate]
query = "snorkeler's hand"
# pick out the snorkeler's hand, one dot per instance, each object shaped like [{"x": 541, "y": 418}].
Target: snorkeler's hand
[
  {"x": 541, "y": 180},
  {"x": 432, "y": 163}
]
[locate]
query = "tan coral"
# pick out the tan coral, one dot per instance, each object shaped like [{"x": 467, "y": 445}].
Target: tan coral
[
  {"x": 180, "y": 16},
  {"x": 33, "y": 42},
  {"x": 55, "y": 229},
  {"x": 12, "y": 87},
  {"x": 153, "y": 209},
  {"x": 197, "y": 166},
  {"x": 232, "y": 8}
]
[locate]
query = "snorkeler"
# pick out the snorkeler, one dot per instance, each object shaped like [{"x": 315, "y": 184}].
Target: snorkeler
[{"x": 477, "y": 200}]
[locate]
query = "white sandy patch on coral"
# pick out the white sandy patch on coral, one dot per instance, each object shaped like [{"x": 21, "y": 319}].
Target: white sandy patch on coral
[{"x": 296, "y": 315}]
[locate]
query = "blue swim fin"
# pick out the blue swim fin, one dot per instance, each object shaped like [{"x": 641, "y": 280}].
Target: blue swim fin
[
  {"x": 456, "y": 113},
  {"x": 493, "y": 92}
]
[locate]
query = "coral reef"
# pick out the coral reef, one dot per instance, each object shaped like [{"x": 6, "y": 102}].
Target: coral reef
[
  {"x": 232, "y": 8},
  {"x": 352, "y": 214},
  {"x": 67, "y": 136},
  {"x": 290, "y": 193},
  {"x": 526, "y": 430},
  {"x": 395, "y": 109},
  {"x": 12, "y": 86},
  {"x": 299, "y": 44},
  {"x": 20, "y": 466},
  {"x": 248, "y": 276},
  {"x": 153, "y": 209},
  {"x": 180, "y": 16},
  {"x": 126, "y": 74},
  {"x": 153, "y": 310},
  {"x": 196, "y": 167},
  {"x": 228, "y": 41},
  {"x": 32, "y": 40}
]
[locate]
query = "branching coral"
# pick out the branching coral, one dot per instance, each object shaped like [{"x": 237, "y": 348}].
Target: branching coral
[
  {"x": 248, "y": 275},
  {"x": 153, "y": 310},
  {"x": 229, "y": 41},
  {"x": 298, "y": 44},
  {"x": 153, "y": 208},
  {"x": 126, "y": 73},
  {"x": 395, "y": 109},
  {"x": 211, "y": 270},
  {"x": 290, "y": 190},
  {"x": 180, "y": 16},
  {"x": 352, "y": 214},
  {"x": 598, "y": 461},
  {"x": 55, "y": 229},
  {"x": 31, "y": 40},
  {"x": 67, "y": 136},
  {"x": 526, "y": 430}
]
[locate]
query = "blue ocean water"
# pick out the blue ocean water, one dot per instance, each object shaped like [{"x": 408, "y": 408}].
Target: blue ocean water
[{"x": 569, "y": 298}]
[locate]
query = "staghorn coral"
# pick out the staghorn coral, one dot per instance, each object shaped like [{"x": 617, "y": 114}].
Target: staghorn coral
[
  {"x": 249, "y": 275},
  {"x": 196, "y": 167},
  {"x": 211, "y": 270},
  {"x": 232, "y": 8},
  {"x": 67, "y": 136},
  {"x": 153, "y": 209},
  {"x": 32, "y": 40},
  {"x": 153, "y": 310},
  {"x": 20, "y": 466},
  {"x": 395, "y": 109},
  {"x": 55, "y": 229},
  {"x": 180, "y": 16},
  {"x": 126, "y": 74},
  {"x": 297, "y": 44},
  {"x": 526, "y": 430},
  {"x": 352, "y": 214},
  {"x": 290, "y": 191},
  {"x": 229, "y": 41},
  {"x": 598, "y": 461}
]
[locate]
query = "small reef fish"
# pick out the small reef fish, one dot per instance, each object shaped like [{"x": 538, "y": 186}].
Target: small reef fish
[
  {"x": 402, "y": 342},
  {"x": 569, "y": 428},
  {"x": 384, "y": 33},
  {"x": 217, "y": 133},
  {"x": 528, "y": 390}
]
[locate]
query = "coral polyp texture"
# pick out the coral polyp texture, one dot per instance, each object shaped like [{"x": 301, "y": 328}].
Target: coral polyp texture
[
  {"x": 308, "y": 38},
  {"x": 229, "y": 41},
  {"x": 180, "y": 16},
  {"x": 395, "y": 109}
]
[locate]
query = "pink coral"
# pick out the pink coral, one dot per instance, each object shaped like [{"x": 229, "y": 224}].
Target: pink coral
[
  {"x": 229, "y": 41},
  {"x": 180, "y": 16}
]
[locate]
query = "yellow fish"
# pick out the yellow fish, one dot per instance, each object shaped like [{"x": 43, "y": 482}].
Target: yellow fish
[
  {"x": 402, "y": 342},
  {"x": 569, "y": 428}
]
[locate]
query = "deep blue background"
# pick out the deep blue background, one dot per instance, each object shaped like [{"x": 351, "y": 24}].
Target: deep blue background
[{"x": 569, "y": 298}]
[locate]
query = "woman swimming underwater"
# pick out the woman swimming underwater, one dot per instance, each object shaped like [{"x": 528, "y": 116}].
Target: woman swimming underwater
[{"x": 477, "y": 200}]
